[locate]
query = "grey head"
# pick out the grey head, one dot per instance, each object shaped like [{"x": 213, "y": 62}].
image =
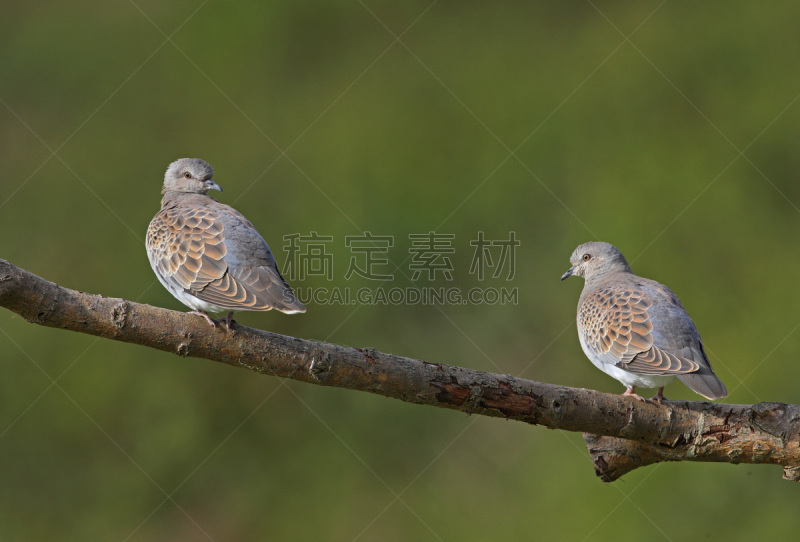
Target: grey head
[
  {"x": 190, "y": 175},
  {"x": 595, "y": 259}
]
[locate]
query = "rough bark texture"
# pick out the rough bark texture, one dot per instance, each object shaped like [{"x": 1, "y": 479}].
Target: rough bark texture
[{"x": 622, "y": 433}]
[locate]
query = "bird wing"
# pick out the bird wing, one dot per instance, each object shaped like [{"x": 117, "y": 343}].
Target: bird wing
[
  {"x": 622, "y": 329},
  {"x": 252, "y": 269},
  {"x": 216, "y": 255},
  {"x": 185, "y": 247}
]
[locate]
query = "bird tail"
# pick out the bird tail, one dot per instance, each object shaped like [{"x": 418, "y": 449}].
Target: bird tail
[
  {"x": 289, "y": 302},
  {"x": 708, "y": 385},
  {"x": 277, "y": 293}
]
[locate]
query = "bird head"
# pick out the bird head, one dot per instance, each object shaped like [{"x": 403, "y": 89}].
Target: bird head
[
  {"x": 190, "y": 175},
  {"x": 595, "y": 259}
]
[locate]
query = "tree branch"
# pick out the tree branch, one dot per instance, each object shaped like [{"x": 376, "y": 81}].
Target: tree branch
[{"x": 624, "y": 434}]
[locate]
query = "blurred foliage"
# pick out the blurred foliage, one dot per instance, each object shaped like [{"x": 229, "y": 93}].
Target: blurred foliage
[{"x": 678, "y": 144}]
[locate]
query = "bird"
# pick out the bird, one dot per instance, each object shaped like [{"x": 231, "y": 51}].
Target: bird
[
  {"x": 207, "y": 254},
  {"x": 635, "y": 329}
]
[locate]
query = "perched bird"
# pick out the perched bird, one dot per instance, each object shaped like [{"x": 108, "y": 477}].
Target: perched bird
[
  {"x": 635, "y": 329},
  {"x": 207, "y": 254}
]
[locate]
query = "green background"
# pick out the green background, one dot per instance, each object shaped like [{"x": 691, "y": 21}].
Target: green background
[{"x": 669, "y": 129}]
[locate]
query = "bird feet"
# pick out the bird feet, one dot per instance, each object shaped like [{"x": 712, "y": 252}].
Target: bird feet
[
  {"x": 659, "y": 397},
  {"x": 228, "y": 320},
  {"x": 629, "y": 392},
  {"x": 205, "y": 315}
]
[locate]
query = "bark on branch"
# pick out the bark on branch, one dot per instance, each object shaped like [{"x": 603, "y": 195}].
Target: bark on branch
[{"x": 621, "y": 433}]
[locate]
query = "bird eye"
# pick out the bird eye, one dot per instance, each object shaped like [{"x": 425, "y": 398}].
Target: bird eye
[
  {"x": 187, "y": 175},
  {"x": 587, "y": 257}
]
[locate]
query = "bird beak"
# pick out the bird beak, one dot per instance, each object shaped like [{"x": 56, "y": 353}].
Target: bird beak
[
  {"x": 211, "y": 185},
  {"x": 569, "y": 273}
]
